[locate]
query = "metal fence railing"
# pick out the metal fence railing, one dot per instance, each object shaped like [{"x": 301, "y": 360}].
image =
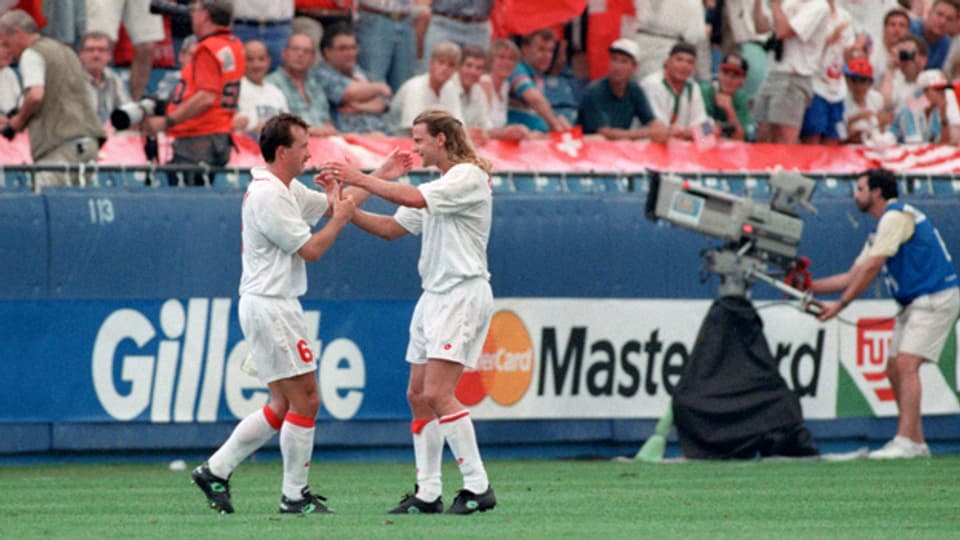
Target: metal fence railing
[{"x": 21, "y": 178}]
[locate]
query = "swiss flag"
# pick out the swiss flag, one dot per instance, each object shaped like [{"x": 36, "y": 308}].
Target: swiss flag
[
  {"x": 525, "y": 16},
  {"x": 568, "y": 142}
]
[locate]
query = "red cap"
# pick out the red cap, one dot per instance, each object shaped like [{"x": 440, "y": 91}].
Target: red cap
[{"x": 859, "y": 67}]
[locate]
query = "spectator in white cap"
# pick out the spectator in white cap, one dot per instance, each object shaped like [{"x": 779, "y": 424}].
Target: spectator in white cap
[
  {"x": 726, "y": 102},
  {"x": 674, "y": 97},
  {"x": 927, "y": 118},
  {"x": 611, "y": 105},
  {"x": 863, "y": 110}
]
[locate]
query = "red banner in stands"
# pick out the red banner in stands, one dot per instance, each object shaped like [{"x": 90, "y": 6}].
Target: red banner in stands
[
  {"x": 568, "y": 151},
  {"x": 522, "y": 17}
]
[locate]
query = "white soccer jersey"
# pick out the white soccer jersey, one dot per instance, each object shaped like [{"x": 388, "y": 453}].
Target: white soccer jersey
[
  {"x": 276, "y": 224},
  {"x": 455, "y": 226}
]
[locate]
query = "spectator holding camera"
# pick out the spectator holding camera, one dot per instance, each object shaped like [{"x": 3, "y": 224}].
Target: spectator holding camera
[
  {"x": 800, "y": 31},
  {"x": 200, "y": 115},
  {"x": 900, "y": 84},
  {"x": 56, "y": 108},
  {"x": 883, "y": 56}
]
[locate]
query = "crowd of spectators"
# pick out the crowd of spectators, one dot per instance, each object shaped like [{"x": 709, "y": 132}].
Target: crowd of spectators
[{"x": 780, "y": 71}]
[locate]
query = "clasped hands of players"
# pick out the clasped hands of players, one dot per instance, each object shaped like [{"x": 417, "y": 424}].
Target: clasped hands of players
[
  {"x": 341, "y": 208},
  {"x": 340, "y": 173},
  {"x": 398, "y": 163}
]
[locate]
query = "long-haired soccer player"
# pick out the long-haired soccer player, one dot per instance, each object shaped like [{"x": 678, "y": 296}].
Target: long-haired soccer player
[{"x": 450, "y": 322}]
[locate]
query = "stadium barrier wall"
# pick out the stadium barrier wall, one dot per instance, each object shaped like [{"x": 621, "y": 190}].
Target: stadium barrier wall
[{"x": 119, "y": 328}]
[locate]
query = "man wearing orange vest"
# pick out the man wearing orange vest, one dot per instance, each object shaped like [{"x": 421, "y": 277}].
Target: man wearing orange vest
[{"x": 200, "y": 113}]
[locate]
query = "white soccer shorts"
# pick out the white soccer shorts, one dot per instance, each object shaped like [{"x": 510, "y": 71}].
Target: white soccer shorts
[
  {"x": 452, "y": 325},
  {"x": 276, "y": 335}
]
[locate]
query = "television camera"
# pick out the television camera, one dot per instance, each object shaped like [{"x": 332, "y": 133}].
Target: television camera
[{"x": 757, "y": 238}]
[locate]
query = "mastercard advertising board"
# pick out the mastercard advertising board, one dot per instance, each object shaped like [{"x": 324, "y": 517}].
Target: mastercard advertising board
[{"x": 596, "y": 358}]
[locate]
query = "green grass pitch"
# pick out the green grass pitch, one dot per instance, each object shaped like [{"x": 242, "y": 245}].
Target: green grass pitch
[{"x": 536, "y": 499}]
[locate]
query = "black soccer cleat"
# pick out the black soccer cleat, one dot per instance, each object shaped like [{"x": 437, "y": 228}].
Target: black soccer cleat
[
  {"x": 216, "y": 489},
  {"x": 308, "y": 504},
  {"x": 468, "y": 502},
  {"x": 410, "y": 504}
]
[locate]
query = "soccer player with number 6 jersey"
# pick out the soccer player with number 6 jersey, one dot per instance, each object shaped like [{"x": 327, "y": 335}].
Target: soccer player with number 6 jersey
[{"x": 278, "y": 212}]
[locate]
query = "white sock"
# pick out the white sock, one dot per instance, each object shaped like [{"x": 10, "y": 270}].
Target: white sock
[
  {"x": 458, "y": 429},
  {"x": 250, "y": 434},
  {"x": 428, "y": 453},
  {"x": 296, "y": 447}
]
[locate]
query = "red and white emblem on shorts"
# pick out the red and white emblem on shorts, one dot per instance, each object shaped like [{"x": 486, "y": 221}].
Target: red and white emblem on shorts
[{"x": 447, "y": 347}]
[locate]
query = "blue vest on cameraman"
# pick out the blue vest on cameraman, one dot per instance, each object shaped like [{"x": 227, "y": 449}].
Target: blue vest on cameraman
[{"x": 921, "y": 265}]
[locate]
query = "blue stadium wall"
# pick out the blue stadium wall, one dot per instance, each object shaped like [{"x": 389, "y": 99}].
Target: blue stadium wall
[{"x": 72, "y": 259}]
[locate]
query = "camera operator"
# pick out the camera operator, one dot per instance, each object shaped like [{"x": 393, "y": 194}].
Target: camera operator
[
  {"x": 64, "y": 129},
  {"x": 200, "y": 114},
  {"x": 800, "y": 30},
  {"x": 922, "y": 280}
]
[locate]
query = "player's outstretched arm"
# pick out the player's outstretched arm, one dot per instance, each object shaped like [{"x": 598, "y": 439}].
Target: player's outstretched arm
[
  {"x": 402, "y": 194},
  {"x": 378, "y": 225}
]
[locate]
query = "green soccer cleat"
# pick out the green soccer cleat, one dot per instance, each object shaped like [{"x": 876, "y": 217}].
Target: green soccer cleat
[
  {"x": 410, "y": 504},
  {"x": 307, "y": 504},
  {"x": 216, "y": 489},
  {"x": 468, "y": 502}
]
